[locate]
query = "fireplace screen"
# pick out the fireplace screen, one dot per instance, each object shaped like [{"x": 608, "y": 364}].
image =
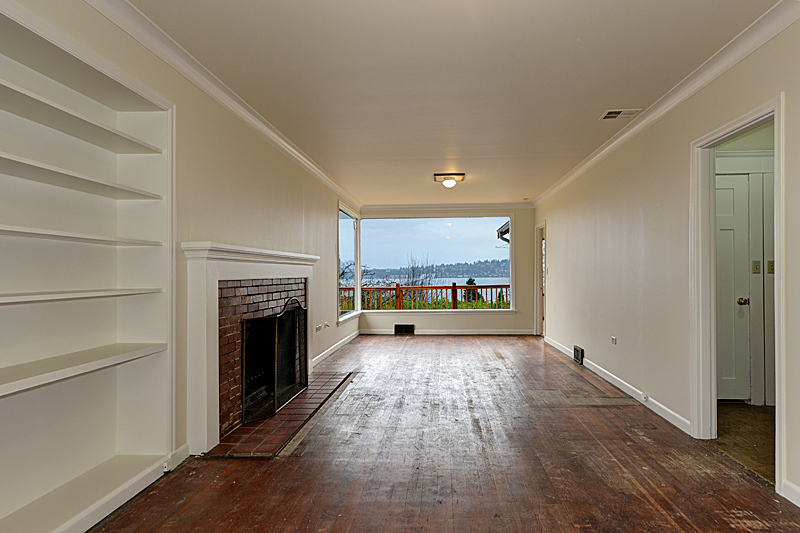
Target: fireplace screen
[{"x": 274, "y": 361}]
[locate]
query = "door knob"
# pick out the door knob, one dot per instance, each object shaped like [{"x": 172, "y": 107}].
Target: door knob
[{"x": 743, "y": 301}]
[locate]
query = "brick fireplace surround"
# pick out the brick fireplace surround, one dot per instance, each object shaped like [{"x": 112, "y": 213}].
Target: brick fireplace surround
[
  {"x": 242, "y": 300},
  {"x": 207, "y": 264}
]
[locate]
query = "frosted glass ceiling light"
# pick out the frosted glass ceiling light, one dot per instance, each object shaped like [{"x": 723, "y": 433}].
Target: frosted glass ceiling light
[{"x": 449, "y": 179}]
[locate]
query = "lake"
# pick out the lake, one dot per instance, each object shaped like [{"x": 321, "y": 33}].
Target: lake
[{"x": 478, "y": 281}]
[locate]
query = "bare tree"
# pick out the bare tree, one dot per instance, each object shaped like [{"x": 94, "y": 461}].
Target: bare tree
[
  {"x": 418, "y": 272},
  {"x": 347, "y": 270}
]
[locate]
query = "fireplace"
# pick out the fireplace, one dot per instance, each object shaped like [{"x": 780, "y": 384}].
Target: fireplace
[
  {"x": 272, "y": 313},
  {"x": 274, "y": 361},
  {"x": 225, "y": 285}
]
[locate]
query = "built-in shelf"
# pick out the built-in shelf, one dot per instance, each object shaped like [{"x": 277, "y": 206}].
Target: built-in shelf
[
  {"x": 21, "y": 167},
  {"x": 102, "y": 414},
  {"x": 37, "y": 297},
  {"x": 55, "y": 235},
  {"x": 26, "y": 104},
  {"x": 32, "y": 374},
  {"x": 29, "y": 48},
  {"x": 69, "y": 506}
]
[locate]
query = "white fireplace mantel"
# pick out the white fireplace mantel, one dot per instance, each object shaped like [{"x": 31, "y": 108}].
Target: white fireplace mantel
[{"x": 207, "y": 264}]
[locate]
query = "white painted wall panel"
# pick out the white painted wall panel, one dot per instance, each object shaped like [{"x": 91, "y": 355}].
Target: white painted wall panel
[{"x": 618, "y": 241}]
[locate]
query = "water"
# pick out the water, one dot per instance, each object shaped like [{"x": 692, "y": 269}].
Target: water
[
  {"x": 478, "y": 281},
  {"x": 463, "y": 281}
]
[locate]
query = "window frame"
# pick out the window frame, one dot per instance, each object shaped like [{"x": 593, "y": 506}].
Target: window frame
[
  {"x": 352, "y": 213},
  {"x": 439, "y": 213}
]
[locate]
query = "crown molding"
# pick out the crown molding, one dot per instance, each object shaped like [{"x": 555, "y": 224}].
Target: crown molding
[
  {"x": 770, "y": 24},
  {"x": 382, "y": 210},
  {"x": 136, "y": 24}
]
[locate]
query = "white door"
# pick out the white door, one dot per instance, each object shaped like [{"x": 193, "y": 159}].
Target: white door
[{"x": 733, "y": 288}]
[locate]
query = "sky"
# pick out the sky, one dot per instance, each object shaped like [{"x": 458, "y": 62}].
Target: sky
[{"x": 387, "y": 243}]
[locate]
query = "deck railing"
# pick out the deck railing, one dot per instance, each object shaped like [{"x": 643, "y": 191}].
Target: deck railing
[{"x": 427, "y": 297}]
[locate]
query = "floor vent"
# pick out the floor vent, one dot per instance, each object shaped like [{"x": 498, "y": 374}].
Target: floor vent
[
  {"x": 404, "y": 329},
  {"x": 578, "y": 354},
  {"x": 613, "y": 114}
]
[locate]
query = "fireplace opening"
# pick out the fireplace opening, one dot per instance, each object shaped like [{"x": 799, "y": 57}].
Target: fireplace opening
[{"x": 274, "y": 361}]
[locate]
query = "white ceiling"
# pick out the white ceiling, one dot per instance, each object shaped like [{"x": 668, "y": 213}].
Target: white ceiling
[{"x": 383, "y": 93}]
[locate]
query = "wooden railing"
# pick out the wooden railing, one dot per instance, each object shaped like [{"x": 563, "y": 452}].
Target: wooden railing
[
  {"x": 347, "y": 299},
  {"x": 427, "y": 297}
]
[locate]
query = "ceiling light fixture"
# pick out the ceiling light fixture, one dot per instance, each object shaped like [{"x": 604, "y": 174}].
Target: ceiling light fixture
[{"x": 449, "y": 179}]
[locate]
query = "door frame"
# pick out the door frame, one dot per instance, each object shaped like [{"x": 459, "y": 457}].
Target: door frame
[
  {"x": 539, "y": 326},
  {"x": 702, "y": 264}
]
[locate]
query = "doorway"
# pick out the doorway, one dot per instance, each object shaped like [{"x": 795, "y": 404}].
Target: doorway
[
  {"x": 540, "y": 271},
  {"x": 704, "y": 341},
  {"x": 745, "y": 330}
]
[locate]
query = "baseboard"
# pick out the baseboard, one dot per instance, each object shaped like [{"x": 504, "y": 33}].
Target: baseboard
[
  {"x": 560, "y": 347},
  {"x": 790, "y": 491},
  {"x": 658, "y": 408},
  {"x": 177, "y": 457},
  {"x": 327, "y": 353},
  {"x": 453, "y": 332},
  {"x": 112, "y": 501}
]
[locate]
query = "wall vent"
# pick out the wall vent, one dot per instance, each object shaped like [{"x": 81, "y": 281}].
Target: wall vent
[
  {"x": 404, "y": 329},
  {"x": 577, "y": 354},
  {"x": 613, "y": 114}
]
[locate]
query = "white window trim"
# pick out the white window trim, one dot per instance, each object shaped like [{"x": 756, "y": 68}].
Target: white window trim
[
  {"x": 416, "y": 213},
  {"x": 349, "y": 211}
]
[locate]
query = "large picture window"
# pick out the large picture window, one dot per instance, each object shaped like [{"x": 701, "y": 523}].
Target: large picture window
[
  {"x": 347, "y": 263},
  {"x": 436, "y": 263}
]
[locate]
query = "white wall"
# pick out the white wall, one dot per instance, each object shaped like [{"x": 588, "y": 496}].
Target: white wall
[
  {"x": 618, "y": 242},
  {"x": 232, "y": 186}
]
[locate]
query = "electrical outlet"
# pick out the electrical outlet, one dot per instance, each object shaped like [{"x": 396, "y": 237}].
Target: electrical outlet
[
  {"x": 613, "y": 340},
  {"x": 770, "y": 267}
]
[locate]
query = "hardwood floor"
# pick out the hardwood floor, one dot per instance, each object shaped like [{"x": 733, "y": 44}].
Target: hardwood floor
[
  {"x": 468, "y": 434},
  {"x": 747, "y": 433}
]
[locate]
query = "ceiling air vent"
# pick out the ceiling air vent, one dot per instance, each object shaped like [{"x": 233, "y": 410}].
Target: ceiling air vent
[{"x": 613, "y": 114}]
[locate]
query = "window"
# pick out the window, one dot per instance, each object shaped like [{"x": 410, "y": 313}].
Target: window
[
  {"x": 347, "y": 263},
  {"x": 436, "y": 263}
]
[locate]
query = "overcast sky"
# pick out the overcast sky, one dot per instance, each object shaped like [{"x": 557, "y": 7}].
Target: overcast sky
[{"x": 387, "y": 243}]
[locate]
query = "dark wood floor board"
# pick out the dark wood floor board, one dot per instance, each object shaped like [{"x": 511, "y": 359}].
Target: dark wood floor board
[
  {"x": 747, "y": 433},
  {"x": 316, "y": 506},
  {"x": 468, "y": 434}
]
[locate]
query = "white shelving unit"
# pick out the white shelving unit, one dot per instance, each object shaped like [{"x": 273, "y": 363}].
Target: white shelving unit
[
  {"x": 40, "y": 297},
  {"x": 56, "y": 235},
  {"x": 26, "y": 376},
  {"x": 28, "y": 105},
  {"x": 58, "y": 177},
  {"x": 86, "y": 248}
]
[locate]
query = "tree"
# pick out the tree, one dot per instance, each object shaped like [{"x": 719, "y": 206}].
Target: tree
[
  {"x": 418, "y": 272},
  {"x": 347, "y": 268},
  {"x": 471, "y": 295},
  {"x": 346, "y": 271}
]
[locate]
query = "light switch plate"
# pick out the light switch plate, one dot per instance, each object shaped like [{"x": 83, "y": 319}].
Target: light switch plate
[{"x": 756, "y": 267}]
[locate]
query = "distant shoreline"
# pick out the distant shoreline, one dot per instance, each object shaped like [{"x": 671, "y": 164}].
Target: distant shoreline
[{"x": 461, "y": 281}]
